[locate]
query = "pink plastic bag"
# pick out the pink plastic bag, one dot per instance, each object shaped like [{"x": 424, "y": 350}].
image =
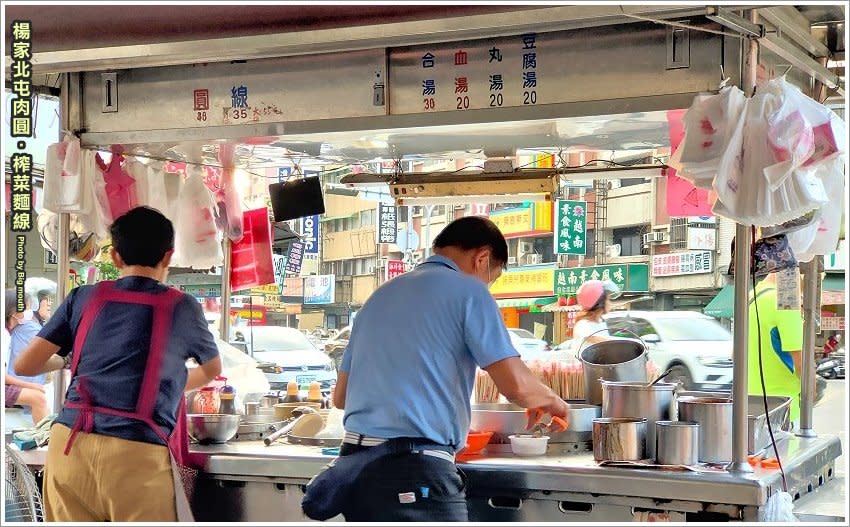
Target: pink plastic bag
[
  {"x": 120, "y": 187},
  {"x": 251, "y": 257}
]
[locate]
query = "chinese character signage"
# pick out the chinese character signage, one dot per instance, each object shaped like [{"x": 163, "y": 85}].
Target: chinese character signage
[
  {"x": 394, "y": 268},
  {"x": 523, "y": 283},
  {"x": 279, "y": 262},
  {"x": 628, "y": 277},
  {"x": 310, "y": 235},
  {"x": 319, "y": 289},
  {"x": 514, "y": 221},
  {"x": 691, "y": 262},
  {"x": 295, "y": 257},
  {"x": 387, "y": 223},
  {"x": 571, "y": 227},
  {"x": 702, "y": 239}
]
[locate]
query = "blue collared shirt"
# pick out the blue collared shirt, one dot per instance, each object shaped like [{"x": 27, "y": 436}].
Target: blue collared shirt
[
  {"x": 22, "y": 335},
  {"x": 413, "y": 352}
]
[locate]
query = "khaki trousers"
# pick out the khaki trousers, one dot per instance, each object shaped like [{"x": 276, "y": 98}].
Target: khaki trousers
[{"x": 106, "y": 478}]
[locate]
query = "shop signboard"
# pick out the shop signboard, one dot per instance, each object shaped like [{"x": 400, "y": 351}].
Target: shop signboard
[
  {"x": 393, "y": 268},
  {"x": 831, "y": 323},
  {"x": 295, "y": 257},
  {"x": 202, "y": 291},
  {"x": 479, "y": 209},
  {"x": 293, "y": 287},
  {"x": 571, "y": 227},
  {"x": 254, "y": 315},
  {"x": 514, "y": 221},
  {"x": 310, "y": 235},
  {"x": 279, "y": 262},
  {"x": 319, "y": 289},
  {"x": 702, "y": 239},
  {"x": 628, "y": 277},
  {"x": 689, "y": 262},
  {"x": 265, "y": 290},
  {"x": 387, "y": 223},
  {"x": 524, "y": 282}
]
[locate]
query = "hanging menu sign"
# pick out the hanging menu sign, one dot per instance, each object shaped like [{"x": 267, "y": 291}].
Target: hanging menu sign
[
  {"x": 468, "y": 75},
  {"x": 295, "y": 257},
  {"x": 387, "y": 223}
]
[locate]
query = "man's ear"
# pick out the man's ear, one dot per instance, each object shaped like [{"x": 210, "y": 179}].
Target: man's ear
[
  {"x": 116, "y": 258},
  {"x": 482, "y": 256},
  {"x": 166, "y": 260}
]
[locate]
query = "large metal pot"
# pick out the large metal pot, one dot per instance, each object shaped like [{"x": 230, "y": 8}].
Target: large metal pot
[
  {"x": 677, "y": 442},
  {"x": 637, "y": 399},
  {"x": 506, "y": 419},
  {"x": 714, "y": 415},
  {"x": 619, "y": 439},
  {"x": 611, "y": 360},
  {"x": 212, "y": 428}
]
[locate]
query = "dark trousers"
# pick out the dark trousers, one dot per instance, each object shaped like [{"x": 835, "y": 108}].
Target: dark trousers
[{"x": 407, "y": 487}]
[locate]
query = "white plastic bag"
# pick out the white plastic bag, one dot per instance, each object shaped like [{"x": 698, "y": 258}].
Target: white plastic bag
[
  {"x": 822, "y": 237},
  {"x": 95, "y": 219},
  {"x": 242, "y": 373},
  {"x": 163, "y": 191},
  {"x": 779, "y": 509},
  {"x": 65, "y": 188},
  {"x": 139, "y": 172},
  {"x": 197, "y": 243}
]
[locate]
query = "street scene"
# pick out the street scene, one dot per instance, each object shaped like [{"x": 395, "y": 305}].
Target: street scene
[{"x": 425, "y": 263}]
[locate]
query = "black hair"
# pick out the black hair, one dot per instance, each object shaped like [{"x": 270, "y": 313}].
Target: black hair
[
  {"x": 474, "y": 232},
  {"x": 142, "y": 236}
]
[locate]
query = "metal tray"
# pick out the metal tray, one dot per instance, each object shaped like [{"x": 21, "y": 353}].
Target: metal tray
[{"x": 758, "y": 437}]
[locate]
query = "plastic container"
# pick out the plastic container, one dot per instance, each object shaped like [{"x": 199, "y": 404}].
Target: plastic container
[
  {"x": 292, "y": 395},
  {"x": 475, "y": 443},
  {"x": 527, "y": 445}
]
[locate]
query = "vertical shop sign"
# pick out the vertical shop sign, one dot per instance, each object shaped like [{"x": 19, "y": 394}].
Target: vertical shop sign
[
  {"x": 387, "y": 223},
  {"x": 20, "y": 161},
  {"x": 279, "y": 262},
  {"x": 571, "y": 227},
  {"x": 394, "y": 268},
  {"x": 295, "y": 257},
  {"x": 310, "y": 235},
  {"x": 529, "y": 69}
]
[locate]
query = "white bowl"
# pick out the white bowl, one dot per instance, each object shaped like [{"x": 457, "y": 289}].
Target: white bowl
[{"x": 529, "y": 445}]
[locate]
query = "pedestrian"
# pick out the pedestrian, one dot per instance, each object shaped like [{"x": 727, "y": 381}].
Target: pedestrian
[
  {"x": 832, "y": 344},
  {"x": 594, "y": 297},
  {"x": 775, "y": 341},
  {"x": 20, "y": 391},
  {"x": 41, "y": 314},
  {"x": 109, "y": 456},
  {"x": 407, "y": 377}
]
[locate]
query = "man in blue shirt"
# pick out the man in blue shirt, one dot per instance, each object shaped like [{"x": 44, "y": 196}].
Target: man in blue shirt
[
  {"x": 110, "y": 451},
  {"x": 409, "y": 369}
]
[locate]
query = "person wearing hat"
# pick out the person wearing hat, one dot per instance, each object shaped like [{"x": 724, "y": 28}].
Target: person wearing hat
[
  {"x": 20, "y": 391},
  {"x": 42, "y": 313},
  {"x": 594, "y": 297}
]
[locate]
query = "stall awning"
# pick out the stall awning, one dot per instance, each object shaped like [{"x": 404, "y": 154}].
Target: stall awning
[
  {"x": 722, "y": 305},
  {"x": 525, "y": 302},
  {"x": 833, "y": 290}
]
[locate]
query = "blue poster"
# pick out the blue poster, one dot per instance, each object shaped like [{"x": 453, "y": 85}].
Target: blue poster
[{"x": 319, "y": 289}]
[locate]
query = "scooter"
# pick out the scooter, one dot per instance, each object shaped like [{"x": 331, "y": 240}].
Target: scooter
[{"x": 831, "y": 367}]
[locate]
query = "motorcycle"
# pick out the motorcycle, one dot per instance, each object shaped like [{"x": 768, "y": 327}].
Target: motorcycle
[{"x": 831, "y": 366}]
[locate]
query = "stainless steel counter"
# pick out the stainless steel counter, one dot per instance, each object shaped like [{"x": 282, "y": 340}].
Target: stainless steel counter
[{"x": 505, "y": 487}]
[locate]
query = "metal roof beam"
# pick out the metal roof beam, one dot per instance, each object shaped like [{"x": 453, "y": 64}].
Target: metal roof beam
[
  {"x": 733, "y": 21},
  {"x": 793, "y": 25},
  {"x": 337, "y": 40},
  {"x": 799, "y": 59}
]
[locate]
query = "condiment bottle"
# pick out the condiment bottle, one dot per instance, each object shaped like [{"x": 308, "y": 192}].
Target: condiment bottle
[
  {"x": 228, "y": 400},
  {"x": 292, "y": 393},
  {"x": 208, "y": 401},
  {"x": 314, "y": 394}
]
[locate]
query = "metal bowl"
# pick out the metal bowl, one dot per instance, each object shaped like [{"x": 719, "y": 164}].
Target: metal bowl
[{"x": 212, "y": 428}]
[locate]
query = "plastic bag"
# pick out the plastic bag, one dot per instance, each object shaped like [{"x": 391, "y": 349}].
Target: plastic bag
[
  {"x": 119, "y": 187},
  {"x": 164, "y": 191},
  {"x": 251, "y": 257},
  {"x": 65, "y": 186},
  {"x": 779, "y": 509},
  {"x": 231, "y": 209},
  {"x": 139, "y": 172},
  {"x": 196, "y": 240},
  {"x": 822, "y": 237},
  {"x": 242, "y": 372},
  {"x": 333, "y": 425}
]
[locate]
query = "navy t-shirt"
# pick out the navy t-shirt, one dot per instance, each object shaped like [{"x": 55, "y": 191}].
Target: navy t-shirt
[{"x": 115, "y": 353}]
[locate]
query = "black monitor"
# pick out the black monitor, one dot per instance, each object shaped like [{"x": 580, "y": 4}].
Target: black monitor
[{"x": 297, "y": 198}]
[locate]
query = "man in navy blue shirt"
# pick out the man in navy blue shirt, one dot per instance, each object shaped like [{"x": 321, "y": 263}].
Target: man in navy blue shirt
[
  {"x": 109, "y": 457},
  {"x": 409, "y": 369}
]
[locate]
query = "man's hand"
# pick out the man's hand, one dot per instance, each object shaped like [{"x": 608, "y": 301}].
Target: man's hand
[{"x": 520, "y": 386}]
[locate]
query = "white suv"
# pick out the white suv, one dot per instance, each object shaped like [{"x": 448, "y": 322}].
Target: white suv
[{"x": 696, "y": 346}]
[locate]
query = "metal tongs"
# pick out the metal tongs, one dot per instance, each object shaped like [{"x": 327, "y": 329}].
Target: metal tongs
[{"x": 538, "y": 428}]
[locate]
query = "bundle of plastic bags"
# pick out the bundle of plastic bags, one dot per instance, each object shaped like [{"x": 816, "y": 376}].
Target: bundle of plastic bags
[
  {"x": 197, "y": 243},
  {"x": 773, "y": 161}
]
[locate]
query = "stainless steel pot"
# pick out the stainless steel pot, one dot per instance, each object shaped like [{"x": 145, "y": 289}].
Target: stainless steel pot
[
  {"x": 637, "y": 399},
  {"x": 611, "y": 360},
  {"x": 212, "y": 428},
  {"x": 677, "y": 442},
  {"x": 619, "y": 439},
  {"x": 714, "y": 415}
]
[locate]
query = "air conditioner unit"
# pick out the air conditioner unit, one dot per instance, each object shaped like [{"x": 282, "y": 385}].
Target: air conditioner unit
[
  {"x": 534, "y": 259},
  {"x": 654, "y": 237},
  {"x": 526, "y": 247},
  {"x": 613, "y": 251},
  {"x": 511, "y": 260}
]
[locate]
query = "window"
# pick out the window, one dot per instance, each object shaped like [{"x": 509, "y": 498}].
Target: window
[
  {"x": 438, "y": 210},
  {"x": 367, "y": 218},
  {"x": 678, "y": 233},
  {"x": 630, "y": 240},
  {"x": 629, "y": 327}
]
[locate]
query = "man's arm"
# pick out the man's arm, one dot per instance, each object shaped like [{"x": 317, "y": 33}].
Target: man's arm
[
  {"x": 339, "y": 390},
  {"x": 14, "y": 381},
  {"x": 203, "y": 374},
  {"x": 39, "y": 357},
  {"x": 521, "y": 387}
]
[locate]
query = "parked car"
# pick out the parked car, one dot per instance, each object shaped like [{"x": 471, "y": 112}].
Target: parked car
[
  {"x": 335, "y": 346},
  {"x": 528, "y": 346},
  {"x": 286, "y": 354},
  {"x": 696, "y": 346}
]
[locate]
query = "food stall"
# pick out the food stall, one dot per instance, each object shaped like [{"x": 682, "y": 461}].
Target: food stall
[{"x": 528, "y": 81}]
